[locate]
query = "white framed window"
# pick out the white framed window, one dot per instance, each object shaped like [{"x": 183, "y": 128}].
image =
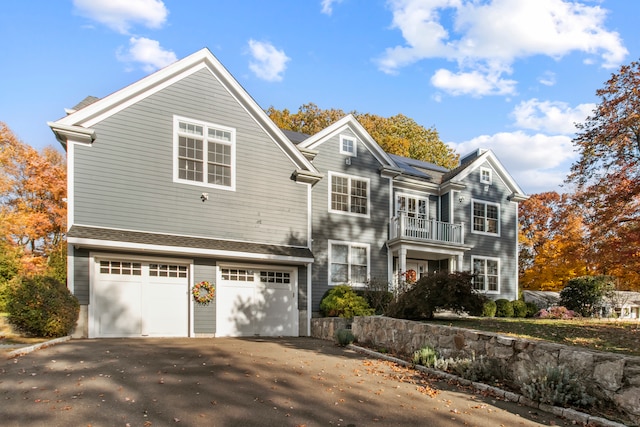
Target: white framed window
[
  {"x": 348, "y": 263},
  {"x": 412, "y": 206},
  {"x": 487, "y": 274},
  {"x": 486, "y": 217},
  {"x": 204, "y": 153},
  {"x": 348, "y": 194},
  {"x": 122, "y": 268},
  {"x": 486, "y": 176},
  {"x": 348, "y": 145}
]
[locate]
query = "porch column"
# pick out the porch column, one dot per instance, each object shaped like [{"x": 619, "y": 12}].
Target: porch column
[
  {"x": 459, "y": 263},
  {"x": 402, "y": 262}
]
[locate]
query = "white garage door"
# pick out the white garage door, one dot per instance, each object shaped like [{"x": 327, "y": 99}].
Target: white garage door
[
  {"x": 131, "y": 299},
  {"x": 257, "y": 301}
]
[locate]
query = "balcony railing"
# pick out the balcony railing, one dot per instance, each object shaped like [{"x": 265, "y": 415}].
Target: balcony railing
[{"x": 404, "y": 226}]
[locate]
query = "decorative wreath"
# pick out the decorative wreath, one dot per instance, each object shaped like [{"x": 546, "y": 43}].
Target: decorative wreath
[
  {"x": 203, "y": 292},
  {"x": 410, "y": 276}
]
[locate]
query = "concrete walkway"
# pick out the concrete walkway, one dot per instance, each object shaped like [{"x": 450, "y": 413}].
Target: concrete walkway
[{"x": 235, "y": 382}]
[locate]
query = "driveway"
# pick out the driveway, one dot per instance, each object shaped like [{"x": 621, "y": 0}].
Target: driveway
[{"x": 234, "y": 382}]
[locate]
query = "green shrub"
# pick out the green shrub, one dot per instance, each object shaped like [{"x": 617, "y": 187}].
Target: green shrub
[
  {"x": 426, "y": 356},
  {"x": 489, "y": 309},
  {"x": 585, "y": 295},
  {"x": 41, "y": 306},
  {"x": 484, "y": 370},
  {"x": 532, "y": 309},
  {"x": 342, "y": 301},
  {"x": 344, "y": 337},
  {"x": 519, "y": 308},
  {"x": 504, "y": 308},
  {"x": 555, "y": 386},
  {"x": 377, "y": 295},
  {"x": 440, "y": 291}
]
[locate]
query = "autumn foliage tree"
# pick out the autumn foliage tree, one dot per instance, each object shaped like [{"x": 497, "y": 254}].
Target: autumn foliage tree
[
  {"x": 32, "y": 202},
  {"x": 607, "y": 176},
  {"x": 552, "y": 241},
  {"x": 398, "y": 134}
]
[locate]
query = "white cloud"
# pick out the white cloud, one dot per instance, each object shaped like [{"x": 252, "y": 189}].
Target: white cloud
[
  {"x": 552, "y": 117},
  {"x": 537, "y": 162},
  {"x": 121, "y": 15},
  {"x": 268, "y": 62},
  {"x": 548, "y": 78},
  {"x": 327, "y": 6},
  {"x": 474, "y": 83},
  {"x": 487, "y": 37},
  {"x": 147, "y": 52}
]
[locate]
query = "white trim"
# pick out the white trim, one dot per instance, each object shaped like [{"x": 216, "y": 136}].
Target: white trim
[
  {"x": 486, "y": 258},
  {"x": 493, "y": 161},
  {"x": 330, "y": 243},
  {"x": 350, "y": 177},
  {"x": 109, "y": 244},
  {"x": 354, "y": 140},
  {"x": 70, "y": 187},
  {"x": 486, "y": 233},
  {"x": 205, "y": 150},
  {"x": 309, "y": 296}
]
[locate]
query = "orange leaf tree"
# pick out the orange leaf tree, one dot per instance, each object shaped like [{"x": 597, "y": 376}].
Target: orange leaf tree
[
  {"x": 32, "y": 204},
  {"x": 607, "y": 176}
]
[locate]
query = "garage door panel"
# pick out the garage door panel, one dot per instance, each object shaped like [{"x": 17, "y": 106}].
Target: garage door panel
[
  {"x": 165, "y": 316},
  {"x": 119, "y": 307}
]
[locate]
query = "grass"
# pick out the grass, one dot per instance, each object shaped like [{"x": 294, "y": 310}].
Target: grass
[
  {"x": 9, "y": 337},
  {"x": 616, "y": 336}
]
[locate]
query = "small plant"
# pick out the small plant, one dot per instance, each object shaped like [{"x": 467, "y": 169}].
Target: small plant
[
  {"x": 555, "y": 385},
  {"x": 556, "y": 312},
  {"x": 42, "y": 307},
  {"x": 342, "y": 301},
  {"x": 519, "y": 308},
  {"x": 532, "y": 309},
  {"x": 426, "y": 356},
  {"x": 484, "y": 370},
  {"x": 344, "y": 337},
  {"x": 489, "y": 309},
  {"x": 504, "y": 308}
]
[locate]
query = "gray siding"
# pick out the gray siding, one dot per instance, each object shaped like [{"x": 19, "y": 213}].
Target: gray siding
[
  {"x": 204, "y": 316},
  {"x": 333, "y": 226},
  {"x": 503, "y": 246},
  {"x": 302, "y": 288},
  {"x": 80, "y": 274},
  {"x": 125, "y": 180}
]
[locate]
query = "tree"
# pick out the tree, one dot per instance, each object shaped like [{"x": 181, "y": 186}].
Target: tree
[
  {"x": 398, "y": 134},
  {"x": 552, "y": 239},
  {"x": 607, "y": 175},
  {"x": 32, "y": 200},
  {"x": 585, "y": 295}
]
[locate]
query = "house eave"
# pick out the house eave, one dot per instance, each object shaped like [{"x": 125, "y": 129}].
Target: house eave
[{"x": 69, "y": 133}]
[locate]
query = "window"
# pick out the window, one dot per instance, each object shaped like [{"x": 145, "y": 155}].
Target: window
[
  {"x": 486, "y": 217},
  {"x": 237, "y": 274},
  {"x": 349, "y": 263},
  {"x": 349, "y": 194},
  {"x": 412, "y": 206},
  {"x": 487, "y": 274},
  {"x": 204, "y": 153},
  {"x": 485, "y": 176},
  {"x": 167, "y": 270},
  {"x": 275, "y": 277},
  {"x": 121, "y": 268},
  {"x": 347, "y": 145}
]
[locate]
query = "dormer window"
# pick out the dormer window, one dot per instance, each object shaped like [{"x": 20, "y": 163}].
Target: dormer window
[
  {"x": 347, "y": 145},
  {"x": 485, "y": 176}
]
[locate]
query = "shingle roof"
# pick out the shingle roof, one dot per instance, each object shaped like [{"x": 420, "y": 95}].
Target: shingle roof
[
  {"x": 105, "y": 234},
  {"x": 419, "y": 168},
  {"x": 295, "y": 137}
]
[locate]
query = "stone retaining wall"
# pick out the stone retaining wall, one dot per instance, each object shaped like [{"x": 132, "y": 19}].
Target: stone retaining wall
[{"x": 611, "y": 377}]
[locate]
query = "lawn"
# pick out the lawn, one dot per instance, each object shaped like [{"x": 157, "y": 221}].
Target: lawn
[
  {"x": 9, "y": 337},
  {"x": 616, "y": 336}
]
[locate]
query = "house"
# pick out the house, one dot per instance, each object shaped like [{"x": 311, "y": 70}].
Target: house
[
  {"x": 182, "y": 178},
  {"x": 618, "y": 304}
]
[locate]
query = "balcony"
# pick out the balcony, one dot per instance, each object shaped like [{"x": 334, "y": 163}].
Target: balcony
[{"x": 404, "y": 226}]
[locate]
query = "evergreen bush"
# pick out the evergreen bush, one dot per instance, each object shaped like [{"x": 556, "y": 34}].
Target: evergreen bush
[
  {"x": 342, "y": 301},
  {"x": 519, "y": 308},
  {"x": 489, "y": 309},
  {"x": 532, "y": 309},
  {"x": 555, "y": 385},
  {"x": 344, "y": 337},
  {"x": 504, "y": 308},
  {"x": 41, "y": 307}
]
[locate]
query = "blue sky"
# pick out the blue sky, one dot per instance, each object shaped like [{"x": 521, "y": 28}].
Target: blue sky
[{"x": 510, "y": 75}]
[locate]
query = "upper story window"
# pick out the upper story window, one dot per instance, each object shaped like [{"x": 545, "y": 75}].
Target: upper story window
[
  {"x": 487, "y": 274},
  {"x": 348, "y": 145},
  {"x": 412, "y": 206},
  {"x": 485, "y": 176},
  {"x": 349, "y": 194},
  {"x": 349, "y": 263},
  {"x": 204, "y": 153},
  {"x": 486, "y": 217}
]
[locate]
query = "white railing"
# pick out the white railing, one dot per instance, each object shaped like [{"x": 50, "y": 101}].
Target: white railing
[{"x": 404, "y": 226}]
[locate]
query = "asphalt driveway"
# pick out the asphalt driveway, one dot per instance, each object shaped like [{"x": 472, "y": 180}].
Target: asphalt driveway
[{"x": 235, "y": 382}]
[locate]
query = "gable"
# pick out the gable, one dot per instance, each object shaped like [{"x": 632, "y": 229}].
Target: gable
[{"x": 77, "y": 126}]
